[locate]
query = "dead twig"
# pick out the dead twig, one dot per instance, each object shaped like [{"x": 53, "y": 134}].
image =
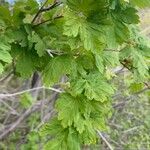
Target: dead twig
[
  {"x": 30, "y": 90},
  {"x": 105, "y": 140}
]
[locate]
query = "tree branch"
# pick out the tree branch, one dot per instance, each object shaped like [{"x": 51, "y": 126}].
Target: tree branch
[
  {"x": 42, "y": 9},
  {"x": 130, "y": 97},
  {"x": 29, "y": 90},
  {"x": 39, "y": 11},
  {"x": 105, "y": 140},
  {"x": 57, "y": 17}
]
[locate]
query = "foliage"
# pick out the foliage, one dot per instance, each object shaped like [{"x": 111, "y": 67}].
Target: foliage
[{"x": 81, "y": 40}]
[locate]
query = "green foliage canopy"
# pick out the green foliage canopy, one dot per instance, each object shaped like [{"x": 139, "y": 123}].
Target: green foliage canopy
[{"x": 79, "y": 39}]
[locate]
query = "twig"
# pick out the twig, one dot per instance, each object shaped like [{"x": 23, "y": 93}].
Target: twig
[
  {"x": 145, "y": 30},
  {"x": 7, "y": 76},
  {"x": 132, "y": 129},
  {"x": 25, "y": 115},
  {"x": 57, "y": 17},
  {"x": 51, "y": 6},
  {"x": 19, "y": 120},
  {"x": 39, "y": 11},
  {"x": 105, "y": 140},
  {"x": 9, "y": 107},
  {"x": 42, "y": 9},
  {"x": 130, "y": 97},
  {"x": 30, "y": 90}
]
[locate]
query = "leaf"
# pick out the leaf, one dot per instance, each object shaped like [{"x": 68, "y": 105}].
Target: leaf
[
  {"x": 1, "y": 68},
  {"x": 5, "y": 10},
  {"x": 57, "y": 67},
  {"x": 121, "y": 32},
  {"x": 26, "y": 100},
  {"x": 94, "y": 87},
  {"x": 28, "y": 19},
  {"x": 72, "y": 24},
  {"x": 25, "y": 65},
  {"x": 97, "y": 88},
  {"x": 111, "y": 37},
  {"x": 53, "y": 145},
  {"x": 89, "y": 135},
  {"x": 111, "y": 58},
  {"x": 135, "y": 87},
  {"x": 141, "y": 4},
  {"x": 99, "y": 63},
  {"x": 4, "y": 54},
  {"x": 92, "y": 38},
  {"x": 140, "y": 67},
  {"x": 52, "y": 128},
  {"x": 66, "y": 104},
  {"x": 83, "y": 6},
  {"x": 73, "y": 140},
  {"x": 90, "y": 34},
  {"x": 40, "y": 45},
  {"x": 129, "y": 16}
]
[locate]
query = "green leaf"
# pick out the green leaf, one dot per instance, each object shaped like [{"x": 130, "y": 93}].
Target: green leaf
[
  {"x": 111, "y": 58},
  {"x": 111, "y": 37},
  {"x": 97, "y": 88},
  {"x": 129, "y": 16},
  {"x": 28, "y": 19},
  {"x": 138, "y": 62},
  {"x": 94, "y": 87},
  {"x": 99, "y": 63},
  {"x": 5, "y": 13},
  {"x": 25, "y": 65},
  {"x": 26, "y": 100},
  {"x": 57, "y": 67},
  {"x": 141, "y": 4},
  {"x": 4, "y": 54},
  {"x": 135, "y": 87},
  {"x": 92, "y": 38},
  {"x": 72, "y": 24},
  {"x": 1, "y": 68},
  {"x": 73, "y": 140},
  {"x": 90, "y": 34},
  {"x": 40, "y": 45},
  {"x": 89, "y": 135},
  {"x": 66, "y": 104},
  {"x": 53, "y": 145},
  {"x": 52, "y": 128},
  {"x": 121, "y": 32}
]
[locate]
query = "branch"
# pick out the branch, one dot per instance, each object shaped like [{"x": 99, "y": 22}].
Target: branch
[
  {"x": 29, "y": 90},
  {"x": 51, "y": 6},
  {"x": 42, "y": 9},
  {"x": 7, "y": 76},
  {"x": 5, "y": 132},
  {"x": 130, "y": 97},
  {"x": 105, "y": 140},
  {"x": 19, "y": 120},
  {"x": 39, "y": 11},
  {"x": 57, "y": 17}
]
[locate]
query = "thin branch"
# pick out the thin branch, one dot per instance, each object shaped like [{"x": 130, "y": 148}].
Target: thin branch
[
  {"x": 7, "y": 76},
  {"x": 130, "y": 97},
  {"x": 19, "y": 120},
  {"x": 39, "y": 11},
  {"x": 42, "y": 9},
  {"x": 105, "y": 140},
  {"x": 132, "y": 129},
  {"x": 145, "y": 31},
  {"x": 48, "y": 20},
  {"x": 9, "y": 107},
  {"x": 51, "y": 6},
  {"x": 29, "y": 90}
]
